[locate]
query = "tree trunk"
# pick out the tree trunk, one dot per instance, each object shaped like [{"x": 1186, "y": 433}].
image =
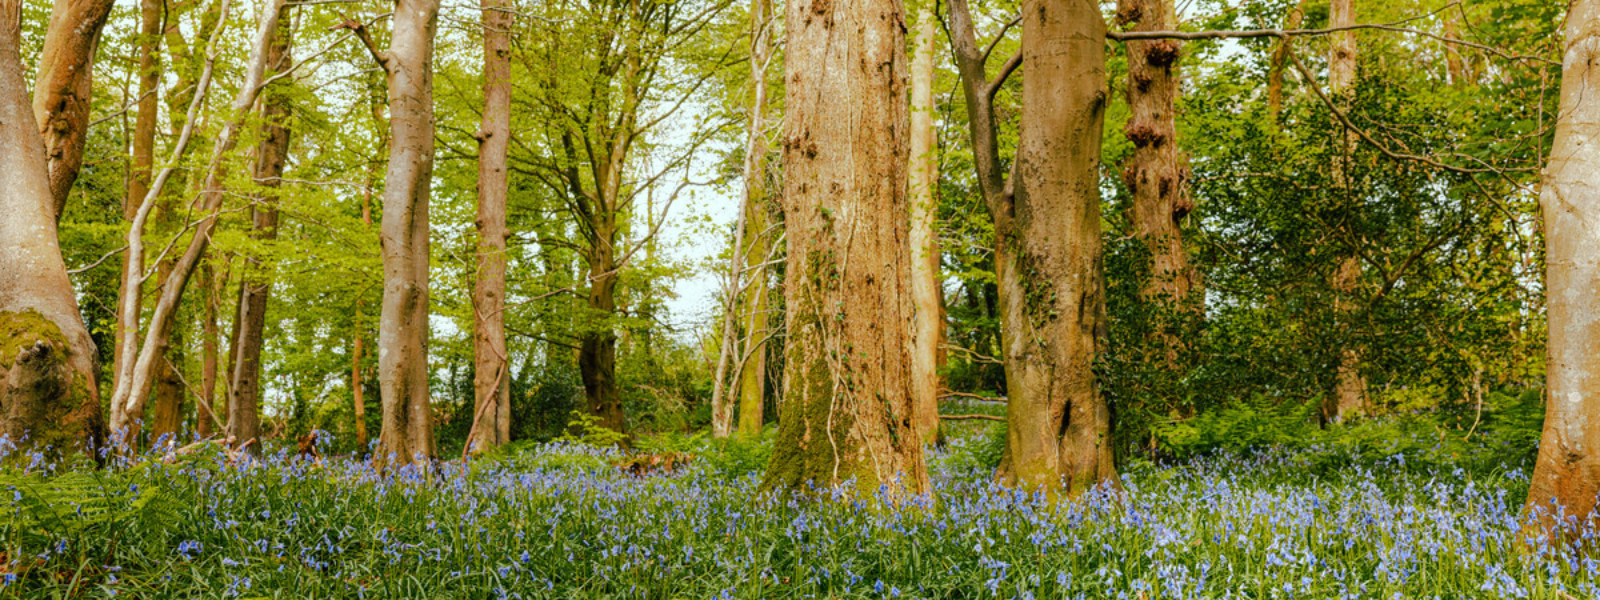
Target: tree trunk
[
  {"x": 752, "y": 370},
  {"x": 144, "y": 148},
  {"x": 64, "y": 89},
  {"x": 491, "y": 425},
  {"x": 1351, "y": 386},
  {"x": 1047, "y": 241},
  {"x": 255, "y": 286},
  {"x": 407, "y": 434},
  {"x": 1567, "y": 474},
  {"x": 926, "y": 290},
  {"x": 205, "y": 406},
  {"x": 1280, "y": 57},
  {"x": 49, "y": 385},
  {"x": 1058, "y": 427},
  {"x": 1157, "y": 174},
  {"x": 848, "y": 409},
  {"x": 597, "y": 354}
]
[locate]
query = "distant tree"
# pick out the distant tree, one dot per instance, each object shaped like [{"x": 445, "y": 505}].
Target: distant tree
[{"x": 491, "y": 422}]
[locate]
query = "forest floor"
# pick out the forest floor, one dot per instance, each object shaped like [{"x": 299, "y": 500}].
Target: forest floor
[{"x": 564, "y": 521}]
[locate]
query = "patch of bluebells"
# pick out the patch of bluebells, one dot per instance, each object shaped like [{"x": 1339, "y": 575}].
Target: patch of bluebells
[{"x": 556, "y": 521}]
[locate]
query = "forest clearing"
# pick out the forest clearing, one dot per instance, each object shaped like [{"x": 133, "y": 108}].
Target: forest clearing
[{"x": 802, "y": 299}]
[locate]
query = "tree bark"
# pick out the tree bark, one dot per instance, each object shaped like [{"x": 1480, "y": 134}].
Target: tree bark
[
  {"x": 144, "y": 147},
  {"x": 1280, "y": 57},
  {"x": 1058, "y": 427},
  {"x": 64, "y": 89},
  {"x": 49, "y": 390},
  {"x": 407, "y": 434},
  {"x": 1047, "y": 247},
  {"x": 491, "y": 425},
  {"x": 926, "y": 291},
  {"x": 255, "y": 286},
  {"x": 210, "y": 344},
  {"x": 1567, "y": 474},
  {"x": 1351, "y": 386},
  {"x": 848, "y": 409},
  {"x": 1157, "y": 173},
  {"x": 597, "y": 353}
]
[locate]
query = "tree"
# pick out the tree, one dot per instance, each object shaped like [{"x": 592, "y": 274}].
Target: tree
[
  {"x": 1566, "y": 477},
  {"x": 64, "y": 87},
  {"x": 752, "y": 370},
  {"x": 1351, "y": 386},
  {"x": 751, "y": 243},
  {"x": 491, "y": 424},
  {"x": 926, "y": 286},
  {"x": 140, "y": 362},
  {"x": 244, "y": 391},
  {"x": 848, "y": 407},
  {"x": 49, "y": 389},
  {"x": 1047, "y": 246},
  {"x": 407, "y": 433},
  {"x": 1157, "y": 173}
]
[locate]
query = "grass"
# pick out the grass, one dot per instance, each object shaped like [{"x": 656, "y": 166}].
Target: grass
[{"x": 559, "y": 521}]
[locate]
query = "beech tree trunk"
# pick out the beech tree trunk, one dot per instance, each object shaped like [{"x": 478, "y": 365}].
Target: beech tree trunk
[
  {"x": 491, "y": 425},
  {"x": 49, "y": 391},
  {"x": 848, "y": 409},
  {"x": 255, "y": 287},
  {"x": 1567, "y": 473},
  {"x": 64, "y": 88},
  {"x": 1157, "y": 173},
  {"x": 1047, "y": 247},
  {"x": 407, "y": 434},
  {"x": 1058, "y": 427},
  {"x": 926, "y": 290},
  {"x": 1351, "y": 386}
]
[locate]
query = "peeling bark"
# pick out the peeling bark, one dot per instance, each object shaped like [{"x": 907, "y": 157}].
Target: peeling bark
[
  {"x": 847, "y": 412},
  {"x": 1567, "y": 474}
]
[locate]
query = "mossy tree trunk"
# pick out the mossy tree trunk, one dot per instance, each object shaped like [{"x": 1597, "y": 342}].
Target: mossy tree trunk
[
  {"x": 847, "y": 412},
  {"x": 49, "y": 393},
  {"x": 1058, "y": 435},
  {"x": 1567, "y": 474}
]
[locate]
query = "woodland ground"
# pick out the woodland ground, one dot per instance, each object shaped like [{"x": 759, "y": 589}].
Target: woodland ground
[{"x": 1404, "y": 519}]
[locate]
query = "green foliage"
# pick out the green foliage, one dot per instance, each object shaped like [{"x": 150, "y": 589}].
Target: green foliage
[
  {"x": 1504, "y": 436},
  {"x": 585, "y": 428},
  {"x": 735, "y": 456}
]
